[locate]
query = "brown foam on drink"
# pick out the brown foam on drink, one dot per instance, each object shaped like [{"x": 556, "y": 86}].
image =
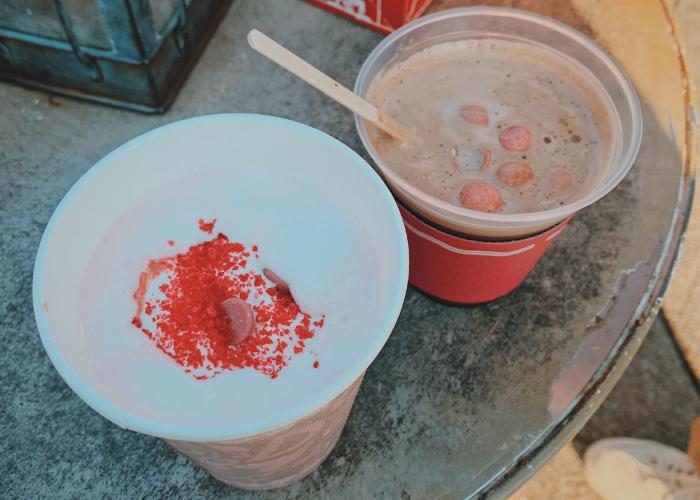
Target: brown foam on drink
[{"x": 568, "y": 114}]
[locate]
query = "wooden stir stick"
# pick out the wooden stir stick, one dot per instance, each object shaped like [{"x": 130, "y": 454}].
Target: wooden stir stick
[{"x": 314, "y": 77}]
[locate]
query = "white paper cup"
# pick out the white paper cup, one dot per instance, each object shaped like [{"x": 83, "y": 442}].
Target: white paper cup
[
  {"x": 321, "y": 217},
  {"x": 276, "y": 458}
]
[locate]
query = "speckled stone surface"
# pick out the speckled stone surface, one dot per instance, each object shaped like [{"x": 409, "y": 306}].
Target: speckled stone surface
[{"x": 458, "y": 393}]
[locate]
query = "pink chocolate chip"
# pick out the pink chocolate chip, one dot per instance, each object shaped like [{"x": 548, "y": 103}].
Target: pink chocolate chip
[
  {"x": 476, "y": 115},
  {"x": 481, "y": 196},
  {"x": 514, "y": 174},
  {"x": 515, "y": 138},
  {"x": 560, "y": 180},
  {"x": 477, "y": 157},
  {"x": 242, "y": 319},
  {"x": 281, "y": 285}
]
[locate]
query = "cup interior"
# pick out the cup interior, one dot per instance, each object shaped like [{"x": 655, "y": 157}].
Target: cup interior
[
  {"x": 523, "y": 27},
  {"x": 320, "y": 216}
]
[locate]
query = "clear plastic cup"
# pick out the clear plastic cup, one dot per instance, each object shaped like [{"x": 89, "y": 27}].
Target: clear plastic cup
[{"x": 518, "y": 26}]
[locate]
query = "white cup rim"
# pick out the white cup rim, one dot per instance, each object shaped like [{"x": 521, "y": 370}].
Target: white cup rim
[{"x": 128, "y": 420}]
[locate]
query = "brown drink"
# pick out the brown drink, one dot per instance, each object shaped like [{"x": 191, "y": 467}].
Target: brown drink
[{"x": 500, "y": 126}]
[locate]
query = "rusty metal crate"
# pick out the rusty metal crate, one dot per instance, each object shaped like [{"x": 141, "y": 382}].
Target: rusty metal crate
[{"x": 134, "y": 54}]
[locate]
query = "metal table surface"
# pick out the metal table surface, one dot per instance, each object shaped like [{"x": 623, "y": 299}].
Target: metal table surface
[{"x": 462, "y": 400}]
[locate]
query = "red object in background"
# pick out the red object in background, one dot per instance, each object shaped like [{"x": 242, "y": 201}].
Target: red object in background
[
  {"x": 465, "y": 271},
  {"x": 381, "y": 15}
]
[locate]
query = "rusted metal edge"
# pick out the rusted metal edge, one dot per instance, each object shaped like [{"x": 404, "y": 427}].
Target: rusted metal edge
[{"x": 687, "y": 95}]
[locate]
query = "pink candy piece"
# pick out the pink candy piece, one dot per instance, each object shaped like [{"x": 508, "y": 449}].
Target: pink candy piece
[
  {"x": 480, "y": 158},
  {"x": 515, "y": 138},
  {"x": 487, "y": 159},
  {"x": 481, "y": 196},
  {"x": 242, "y": 319},
  {"x": 281, "y": 285},
  {"x": 560, "y": 180},
  {"x": 476, "y": 115},
  {"x": 514, "y": 174}
]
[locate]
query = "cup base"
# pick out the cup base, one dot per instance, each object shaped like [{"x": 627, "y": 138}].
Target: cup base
[
  {"x": 277, "y": 458},
  {"x": 459, "y": 270},
  {"x": 281, "y": 483}
]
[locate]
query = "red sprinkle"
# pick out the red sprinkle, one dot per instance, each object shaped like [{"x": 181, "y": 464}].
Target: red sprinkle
[
  {"x": 207, "y": 227},
  {"x": 316, "y": 364},
  {"x": 192, "y": 327},
  {"x": 171, "y": 242}
]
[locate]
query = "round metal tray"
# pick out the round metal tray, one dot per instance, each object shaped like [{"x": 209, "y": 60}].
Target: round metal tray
[{"x": 462, "y": 400}]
